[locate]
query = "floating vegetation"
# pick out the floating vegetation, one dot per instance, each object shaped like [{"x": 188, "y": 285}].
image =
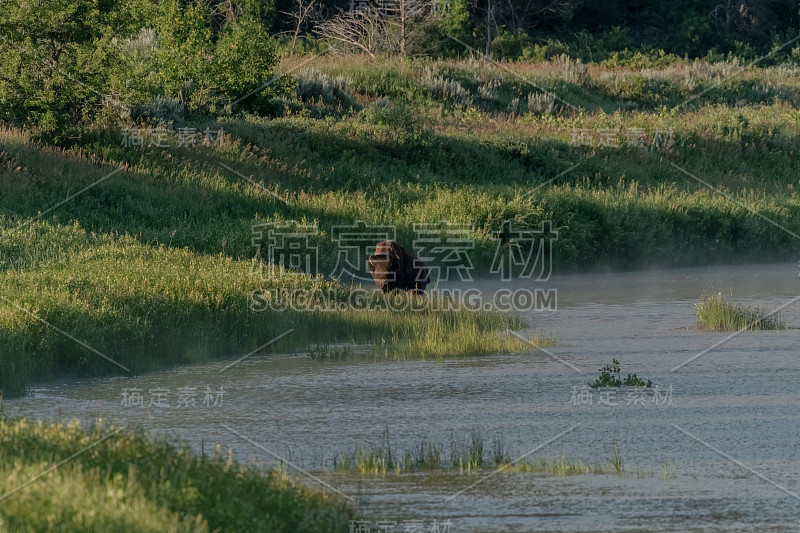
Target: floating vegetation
[
  {"x": 716, "y": 314},
  {"x": 611, "y": 376}
]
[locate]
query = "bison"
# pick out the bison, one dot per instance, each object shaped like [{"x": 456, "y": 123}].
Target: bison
[{"x": 393, "y": 268}]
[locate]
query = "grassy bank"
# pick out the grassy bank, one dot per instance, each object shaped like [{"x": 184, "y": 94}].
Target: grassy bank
[
  {"x": 717, "y": 314},
  {"x": 128, "y": 482},
  {"x": 152, "y": 265},
  {"x": 141, "y": 308},
  {"x": 419, "y": 142}
]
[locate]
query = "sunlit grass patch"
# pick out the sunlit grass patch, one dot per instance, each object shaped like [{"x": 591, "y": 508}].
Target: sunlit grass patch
[
  {"x": 147, "y": 307},
  {"x": 128, "y": 481},
  {"x": 558, "y": 466},
  {"x": 460, "y": 333},
  {"x": 561, "y": 465},
  {"x": 716, "y": 314},
  {"x": 466, "y": 457}
]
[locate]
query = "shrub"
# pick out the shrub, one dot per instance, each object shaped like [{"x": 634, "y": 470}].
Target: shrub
[
  {"x": 54, "y": 60},
  {"x": 447, "y": 89},
  {"x": 572, "y": 70},
  {"x": 66, "y": 61},
  {"x": 488, "y": 89},
  {"x": 541, "y": 103},
  {"x": 313, "y": 84}
]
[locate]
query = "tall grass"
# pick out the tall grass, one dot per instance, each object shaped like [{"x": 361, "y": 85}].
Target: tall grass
[
  {"x": 717, "y": 314},
  {"x": 149, "y": 265},
  {"x": 128, "y": 481},
  {"x": 382, "y": 458},
  {"x": 148, "y": 307}
]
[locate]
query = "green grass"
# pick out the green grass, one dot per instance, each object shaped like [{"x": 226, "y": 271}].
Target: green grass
[
  {"x": 148, "y": 307},
  {"x": 382, "y": 458},
  {"x": 404, "y": 157},
  {"x": 717, "y": 314},
  {"x": 151, "y": 266},
  {"x": 130, "y": 482}
]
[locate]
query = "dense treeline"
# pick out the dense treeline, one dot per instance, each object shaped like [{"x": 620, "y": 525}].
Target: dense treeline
[
  {"x": 693, "y": 28},
  {"x": 595, "y": 29},
  {"x": 66, "y": 62}
]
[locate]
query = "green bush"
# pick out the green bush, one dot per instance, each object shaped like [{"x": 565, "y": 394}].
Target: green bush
[
  {"x": 65, "y": 62},
  {"x": 55, "y": 60},
  {"x": 610, "y": 376}
]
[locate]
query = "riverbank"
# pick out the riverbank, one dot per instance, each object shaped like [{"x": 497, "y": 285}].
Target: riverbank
[
  {"x": 111, "y": 305},
  {"x": 113, "y": 479},
  {"x": 139, "y": 242}
]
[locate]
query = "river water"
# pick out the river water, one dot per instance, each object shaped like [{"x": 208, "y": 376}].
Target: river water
[{"x": 714, "y": 448}]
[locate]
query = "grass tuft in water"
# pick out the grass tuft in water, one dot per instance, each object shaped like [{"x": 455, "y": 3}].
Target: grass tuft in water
[
  {"x": 716, "y": 314},
  {"x": 616, "y": 460},
  {"x": 467, "y": 457}
]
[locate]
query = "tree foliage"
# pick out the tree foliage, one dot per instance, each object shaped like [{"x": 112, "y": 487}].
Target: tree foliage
[{"x": 63, "y": 61}]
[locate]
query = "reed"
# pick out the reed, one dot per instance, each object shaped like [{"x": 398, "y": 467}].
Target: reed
[{"x": 714, "y": 313}]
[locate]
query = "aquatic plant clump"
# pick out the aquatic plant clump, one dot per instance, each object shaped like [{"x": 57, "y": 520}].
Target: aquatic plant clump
[
  {"x": 323, "y": 352},
  {"x": 382, "y": 458},
  {"x": 716, "y": 314},
  {"x": 611, "y": 376}
]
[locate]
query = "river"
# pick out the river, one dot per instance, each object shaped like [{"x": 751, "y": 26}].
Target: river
[{"x": 714, "y": 448}]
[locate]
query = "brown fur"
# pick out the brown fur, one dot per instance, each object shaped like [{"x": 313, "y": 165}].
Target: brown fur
[{"x": 394, "y": 268}]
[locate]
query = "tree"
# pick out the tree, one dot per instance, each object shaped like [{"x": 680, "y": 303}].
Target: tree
[
  {"x": 305, "y": 11},
  {"x": 54, "y": 57},
  {"x": 63, "y": 61},
  {"x": 362, "y": 30},
  {"x": 387, "y": 28}
]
